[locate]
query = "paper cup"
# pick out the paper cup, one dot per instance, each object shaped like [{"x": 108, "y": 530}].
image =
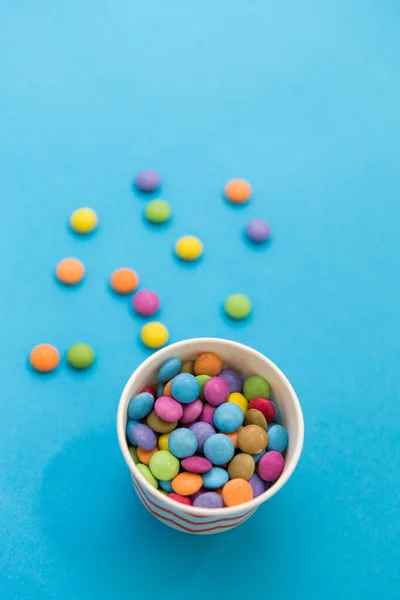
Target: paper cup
[{"x": 247, "y": 361}]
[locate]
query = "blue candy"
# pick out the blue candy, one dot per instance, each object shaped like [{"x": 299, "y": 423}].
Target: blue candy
[
  {"x": 140, "y": 405},
  {"x": 185, "y": 388},
  {"x": 228, "y": 417},
  {"x": 129, "y": 427},
  {"x": 182, "y": 443},
  {"x": 278, "y": 412},
  {"x": 218, "y": 448},
  {"x": 160, "y": 390},
  {"x": 215, "y": 478},
  {"x": 169, "y": 370},
  {"x": 165, "y": 485},
  {"x": 277, "y": 438},
  {"x": 259, "y": 455}
]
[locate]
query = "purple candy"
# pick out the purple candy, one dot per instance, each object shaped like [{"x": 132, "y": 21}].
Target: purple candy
[
  {"x": 233, "y": 379},
  {"x": 202, "y": 431},
  {"x": 207, "y": 414},
  {"x": 147, "y": 181},
  {"x": 143, "y": 436},
  {"x": 270, "y": 465},
  {"x": 191, "y": 411},
  {"x": 208, "y": 500},
  {"x": 216, "y": 391},
  {"x": 168, "y": 409},
  {"x": 258, "y": 230},
  {"x": 196, "y": 464},
  {"x": 257, "y": 484}
]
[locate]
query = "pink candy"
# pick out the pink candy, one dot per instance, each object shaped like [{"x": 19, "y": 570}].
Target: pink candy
[
  {"x": 196, "y": 464},
  {"x": 146, "y": 302},
  {"x": 168, "y": 409},
  {"x": 207, "y": 414},
  {"x": 192, "y": 411},
  {"x": 271, "y": 465},
  {"x": 216, "y": 391}
]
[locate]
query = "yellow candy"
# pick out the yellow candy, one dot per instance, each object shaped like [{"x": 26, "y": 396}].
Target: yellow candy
[
  {"x": 189, "y": 247},
  {"x": 239, "y": 399},
  {"x": 83, "y": 220},
  {"x": 154, "y": 334},
  {"x": 163, "y": 441}
]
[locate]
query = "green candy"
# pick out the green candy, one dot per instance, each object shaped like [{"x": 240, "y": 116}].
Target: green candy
[
  {"x": 164, "y": 465},
  {"x": 80, "y": 356},
  {"x": 147, "y": 474},
  {"x": 158, "y": 211},
  {"x": 237, "y": 306},
  {"x": 202, "y": 380},
  {"x": 256, "y": 387},
  {"x": 133, "y": 453}
]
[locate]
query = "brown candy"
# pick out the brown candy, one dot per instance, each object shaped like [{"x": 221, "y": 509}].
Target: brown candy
[
  {"x": 255, "y": 417},
  {"x": 208, "y": 363},
  {"x": 187, "y": 367},
  {"x": 159, "y": 425},
  {"x": 252, "y": 439},
  {"x": 242, "y": 466}
]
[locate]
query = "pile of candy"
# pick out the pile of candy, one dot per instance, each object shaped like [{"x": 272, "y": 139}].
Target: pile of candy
[{"x": 205, "y": 436}]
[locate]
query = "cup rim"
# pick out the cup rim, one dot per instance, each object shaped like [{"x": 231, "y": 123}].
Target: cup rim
[{"x": 194, "y": 510}]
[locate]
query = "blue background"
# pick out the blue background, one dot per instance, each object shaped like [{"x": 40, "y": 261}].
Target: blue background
[{"x": 300, "y": 98}]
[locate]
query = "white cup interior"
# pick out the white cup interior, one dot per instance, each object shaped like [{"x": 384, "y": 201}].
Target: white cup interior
[{"x": 248, "y": 362}]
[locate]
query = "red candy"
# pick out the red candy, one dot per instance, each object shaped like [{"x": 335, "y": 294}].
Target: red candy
[
  {"x": 181, "y": 499},
  {"x": 150, "y": 390},
  {"x": 264, "y": 406}
]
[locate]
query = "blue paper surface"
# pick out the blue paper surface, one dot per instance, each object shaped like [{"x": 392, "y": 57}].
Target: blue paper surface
[{"x": 300, "y": 98}]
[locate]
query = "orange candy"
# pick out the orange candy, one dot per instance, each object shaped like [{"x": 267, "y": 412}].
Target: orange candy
[
  {"x": 234, "y": 436},
  {"x": 70, "y": 271},
  {"x": 186, "y": 484},
  {"x": 237, "y": 491},
  {"x": 145, "y": 455},
  {"x": 167, "y": 388},
  {"x": 208, "y": 363},
  {"x": 124, "y": 280},
  {"x": 237, "y": 191},
  {"x": 44, "y": 358}
]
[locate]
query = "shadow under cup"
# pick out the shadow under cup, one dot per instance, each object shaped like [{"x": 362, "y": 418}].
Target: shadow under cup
[{"x": 248, "y": 362}]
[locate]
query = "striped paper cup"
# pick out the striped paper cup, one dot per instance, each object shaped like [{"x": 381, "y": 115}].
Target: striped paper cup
[{"x": 247, "y": 361}]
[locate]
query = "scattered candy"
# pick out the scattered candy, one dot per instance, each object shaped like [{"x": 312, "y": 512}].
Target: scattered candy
[
  {"x": 237, "y": 306},
  {"x": 237, "y": 191},
  {"x": 147, "y": 181},
  {"x": 189, "y": 248},
  {"x": 258, "y": 231},
  {"x": 80, "y": 356},
  {"x": 202, "y": 443},
  {"x": 154, "y": 334},
  {"x": 44, "y": 358},
  {"x": 70, "y": 271},
  {"x": 157, "y": 211},
  {"x": 146, "y": 303},
  {"x": 83, "y": 220},
  {"x": 124, "y": 280}
]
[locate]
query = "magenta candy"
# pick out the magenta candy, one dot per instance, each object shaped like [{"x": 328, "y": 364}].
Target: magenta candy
[
  {"x": 146, "y": 302},
  {"x": 192, "y": 411},
  {"x": 207, "y": 414},
  {"x": 271, "y": 465},
  {"x": 168, "y": 409},
  {"x": 196, "y": 464},
  {"x": 216, "y": 391}
]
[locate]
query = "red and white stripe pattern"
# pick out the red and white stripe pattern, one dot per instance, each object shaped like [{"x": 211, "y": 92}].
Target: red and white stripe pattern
[{"x": 184, "y": 522}]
